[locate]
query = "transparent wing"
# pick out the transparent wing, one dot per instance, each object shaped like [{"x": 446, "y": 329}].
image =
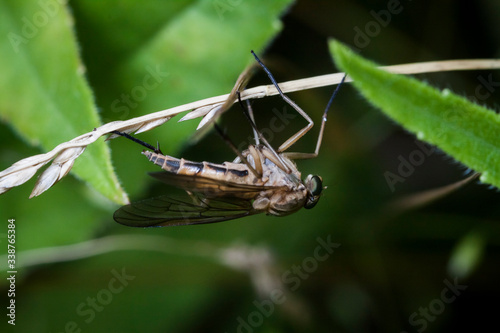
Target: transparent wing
[
  {"x": 168, "y": 211},
  {"x": 211, "y": 187}
]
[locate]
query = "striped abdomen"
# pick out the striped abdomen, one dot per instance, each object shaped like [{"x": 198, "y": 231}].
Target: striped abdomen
[{"x": 230, "y": 172}]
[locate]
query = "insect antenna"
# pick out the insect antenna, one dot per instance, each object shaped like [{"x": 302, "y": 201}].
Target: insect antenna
[{"x": 142, "y": 143}]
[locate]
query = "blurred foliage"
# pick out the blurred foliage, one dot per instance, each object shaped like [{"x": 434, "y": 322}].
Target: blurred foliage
[
  {"x": 227, "y": 276},
  {"x": 46, "y": 99}
]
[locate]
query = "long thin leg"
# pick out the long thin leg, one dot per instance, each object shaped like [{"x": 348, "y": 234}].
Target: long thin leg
[
  {"x": 142, "y": 143},
  {"x": 284, "y": 146},
  {"x": 294, "y": 138},
  {"x": 250, "y": 114},
  {"x": 321, "y": 131},
  {"x": 237, "y": 152},
  {"x": 273, "y": 154}
]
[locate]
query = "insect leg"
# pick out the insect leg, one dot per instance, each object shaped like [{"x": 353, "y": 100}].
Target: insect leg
[
  {"x": 233, "y": 147},
  {"x": 250, "y": 114},
  {"x": 142, "y": 143},
  {"x": 284, "y": 146},
  {"x": 193, "y": 197},
  {"x": 321, "y": 131},
  {"x": 294, "y": 138},
  {"x": 276, "y": 157}
]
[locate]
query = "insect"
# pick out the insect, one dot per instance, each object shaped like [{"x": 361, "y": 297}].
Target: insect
[{"x": 260, "y": 180}]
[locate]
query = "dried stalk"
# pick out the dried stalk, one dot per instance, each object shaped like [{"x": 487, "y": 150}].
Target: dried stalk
[{"x": 64, "y": 155}]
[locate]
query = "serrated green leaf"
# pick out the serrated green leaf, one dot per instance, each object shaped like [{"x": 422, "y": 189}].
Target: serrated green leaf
[
  {"x": 464, "y": 130},
  {"x": 44, "y": 95}
]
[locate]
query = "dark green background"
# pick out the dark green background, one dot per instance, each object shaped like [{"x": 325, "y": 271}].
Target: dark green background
[{"x": 387, "y": 266}]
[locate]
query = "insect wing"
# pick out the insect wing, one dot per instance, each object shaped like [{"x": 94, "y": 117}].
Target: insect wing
[
  {"x": 211, "y": 187},
  {"x": 167, "y": 211}
]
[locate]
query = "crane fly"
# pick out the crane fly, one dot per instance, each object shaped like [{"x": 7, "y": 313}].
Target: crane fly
[{"x": 260, "y": 180}]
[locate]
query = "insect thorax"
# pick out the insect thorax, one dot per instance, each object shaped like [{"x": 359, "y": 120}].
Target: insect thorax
[{"x": 292, "y": 194}]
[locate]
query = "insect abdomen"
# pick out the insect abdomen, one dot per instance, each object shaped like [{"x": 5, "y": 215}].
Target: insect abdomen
[
  {"x": 201, "y": 169},
  {"x": 167, "y": 163}
]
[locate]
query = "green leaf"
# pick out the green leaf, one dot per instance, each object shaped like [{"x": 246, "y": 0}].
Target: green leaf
[
  {"x": 198, "y": 54},
  {"x": 188, "y": 50},
  {"x": 45, "y": 99},
  {"x": 464, "y": 130},
  {"x": 44, "y": 94}
]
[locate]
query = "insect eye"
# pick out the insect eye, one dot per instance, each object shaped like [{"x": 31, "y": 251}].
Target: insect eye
[
  {"x": 311, "y": 201},
  {"x": 315, "y": 185}
]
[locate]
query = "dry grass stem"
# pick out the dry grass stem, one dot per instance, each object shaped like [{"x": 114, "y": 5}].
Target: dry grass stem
[{"x": 63, "y": 156}]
